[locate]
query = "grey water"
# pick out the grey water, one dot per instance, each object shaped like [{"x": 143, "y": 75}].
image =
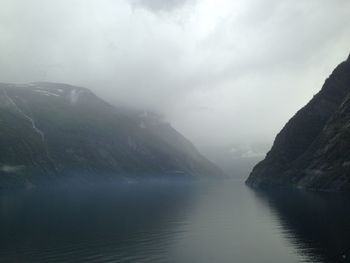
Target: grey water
[{"x": 181, "y": 222}]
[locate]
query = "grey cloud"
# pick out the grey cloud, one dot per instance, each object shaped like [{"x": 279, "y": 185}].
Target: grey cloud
[
  {"x": 159, "y": 5},
  {"x": 251, "y": 63}
]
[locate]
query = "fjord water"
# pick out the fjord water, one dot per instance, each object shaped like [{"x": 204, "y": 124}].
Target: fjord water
[{"x": 173, "y": 222}]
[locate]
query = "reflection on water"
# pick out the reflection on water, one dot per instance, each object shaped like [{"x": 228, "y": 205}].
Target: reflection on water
[
  {"x": 175, "y": 222},
  {"x": 318, "y": 224},
  {"x": 97, "y": 225}
]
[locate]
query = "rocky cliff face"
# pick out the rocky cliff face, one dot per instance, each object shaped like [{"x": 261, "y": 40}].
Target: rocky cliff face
[
  {"x": 56, "y": 131},
  {"x": 313, "y": 149}
]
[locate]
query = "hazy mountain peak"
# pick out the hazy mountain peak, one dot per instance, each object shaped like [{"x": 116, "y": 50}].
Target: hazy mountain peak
[
  {"x": 312, "y": 150},
  {"x": 53, "y": 130}
]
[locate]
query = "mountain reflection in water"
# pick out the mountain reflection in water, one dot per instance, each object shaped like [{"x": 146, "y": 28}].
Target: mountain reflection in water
[
  {"x": 175, "y": 222},
  {"x": 318, "y": 224},
  {"x": 90, "y": 225}
]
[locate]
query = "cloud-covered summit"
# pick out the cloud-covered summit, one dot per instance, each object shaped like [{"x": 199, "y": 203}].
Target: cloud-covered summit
[{"x": 216, "y": 69}]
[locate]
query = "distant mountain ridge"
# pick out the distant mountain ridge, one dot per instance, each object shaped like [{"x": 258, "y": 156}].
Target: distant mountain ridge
[
  {"x": 313, "y": 149},
  {"x": 52, "y": 130}
]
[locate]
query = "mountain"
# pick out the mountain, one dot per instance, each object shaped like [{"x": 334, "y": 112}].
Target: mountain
[
  {"x": 313, "y": 149},
  {"x": 235, "y": 160},
  {"x": 51, "y": 131}
]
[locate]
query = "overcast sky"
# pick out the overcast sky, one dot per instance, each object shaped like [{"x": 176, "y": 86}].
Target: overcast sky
[{"x": 223, "y": 72}]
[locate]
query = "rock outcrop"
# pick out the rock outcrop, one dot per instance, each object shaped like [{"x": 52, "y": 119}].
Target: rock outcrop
[{"x": 313, "y": 149}]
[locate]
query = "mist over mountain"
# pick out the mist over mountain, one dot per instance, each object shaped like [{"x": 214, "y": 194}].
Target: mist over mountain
[
  {"x": 217, "y": 70},
  {"x": 313, "y": 148},
  {"x": 237, "y": 161},
  {"x": 54, "y": 131}
]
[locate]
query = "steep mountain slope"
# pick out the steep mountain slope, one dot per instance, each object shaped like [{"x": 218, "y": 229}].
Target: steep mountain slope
[
  {"x": 51, "y": 130},
  {"x": 312, "y": 150}
]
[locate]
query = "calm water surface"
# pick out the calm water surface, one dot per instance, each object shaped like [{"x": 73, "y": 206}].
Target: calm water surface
[{"x": 175, "y": 222}]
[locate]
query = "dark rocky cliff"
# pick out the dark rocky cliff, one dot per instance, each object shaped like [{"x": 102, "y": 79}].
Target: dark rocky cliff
[
  {"x": 56, "y": 131},
  {"x": 313, "y": 149}
]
